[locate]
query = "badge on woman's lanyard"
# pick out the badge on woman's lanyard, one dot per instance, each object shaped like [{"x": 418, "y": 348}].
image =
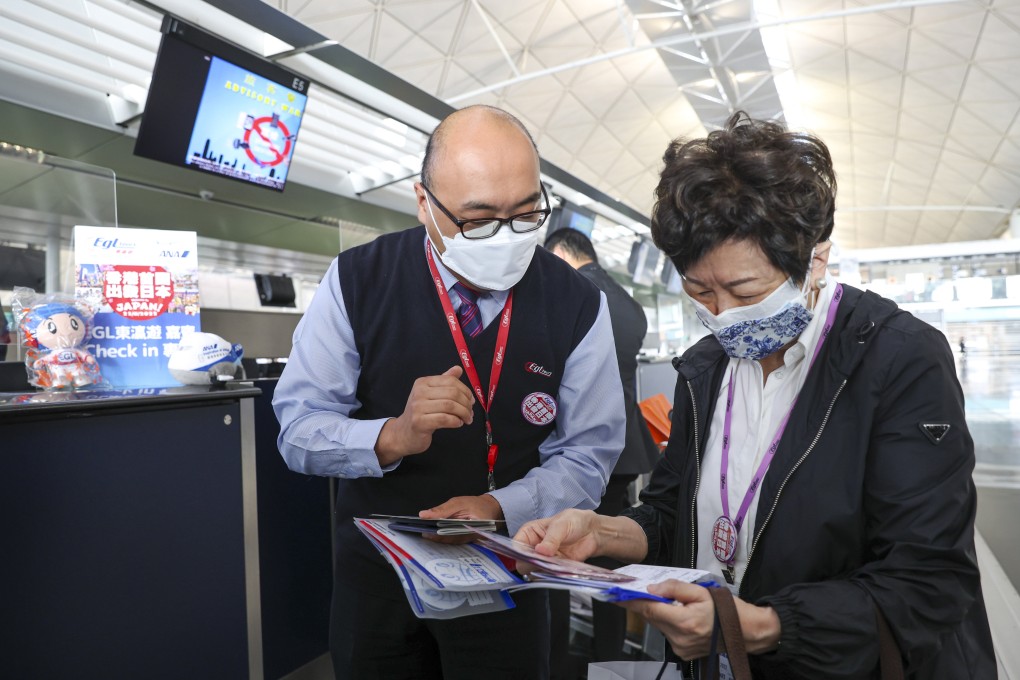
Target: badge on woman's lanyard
[
  {"x": 469, "y": 365},
  {"x": 725, "y": 530}
]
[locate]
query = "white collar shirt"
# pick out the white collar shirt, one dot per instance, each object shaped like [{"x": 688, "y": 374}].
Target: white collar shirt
[
  {"x": 490, "y": 303},
  {"x": 758, "y": 410}
]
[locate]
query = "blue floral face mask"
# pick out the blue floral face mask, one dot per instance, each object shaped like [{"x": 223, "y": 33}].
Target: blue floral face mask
[{"x": 758, "y": 330}]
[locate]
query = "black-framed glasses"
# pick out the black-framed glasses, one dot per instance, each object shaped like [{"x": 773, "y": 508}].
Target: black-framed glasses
[{"x": 488, "y": 226}]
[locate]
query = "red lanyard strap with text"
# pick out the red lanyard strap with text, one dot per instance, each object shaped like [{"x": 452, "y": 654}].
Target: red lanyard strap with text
[{"x": 469, "y": 364}]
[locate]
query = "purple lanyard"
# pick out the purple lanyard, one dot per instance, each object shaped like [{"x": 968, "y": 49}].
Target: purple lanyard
[{"x": 830, "y": 319}]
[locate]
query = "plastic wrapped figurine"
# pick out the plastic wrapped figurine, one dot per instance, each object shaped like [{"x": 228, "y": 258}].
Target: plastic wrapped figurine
[{"x": 54, "y": 331}]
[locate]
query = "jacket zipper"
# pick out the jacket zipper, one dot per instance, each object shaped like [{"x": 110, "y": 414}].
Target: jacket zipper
[
  {"x": 782, "y": 486},
  {"x": 694, "y": 500},
  {"x": 697, "y": 479}
]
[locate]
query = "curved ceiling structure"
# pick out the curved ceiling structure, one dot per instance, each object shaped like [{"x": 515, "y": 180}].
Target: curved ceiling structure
[{"x": 919, "y": 101}]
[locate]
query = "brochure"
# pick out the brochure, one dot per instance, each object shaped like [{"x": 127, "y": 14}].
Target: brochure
[{"x": 443, "y": 581}]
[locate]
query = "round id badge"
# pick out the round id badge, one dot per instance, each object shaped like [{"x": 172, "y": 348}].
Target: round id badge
[
  {"x": 539, "y": 408},
  {"x": 724, "y": 539}
]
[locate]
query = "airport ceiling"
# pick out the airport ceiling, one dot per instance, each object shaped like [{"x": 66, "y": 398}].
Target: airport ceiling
[{"x": 919, "y": 101}]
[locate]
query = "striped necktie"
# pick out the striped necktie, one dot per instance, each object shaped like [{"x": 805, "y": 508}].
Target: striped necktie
[{"x": 467, "y": 314}]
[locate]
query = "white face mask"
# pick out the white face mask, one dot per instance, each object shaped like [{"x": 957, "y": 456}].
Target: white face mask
[{"x": 495, "y": 263}]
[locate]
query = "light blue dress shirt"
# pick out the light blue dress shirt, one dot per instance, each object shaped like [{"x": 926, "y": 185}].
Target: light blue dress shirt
[{"x": 318, "y": 392}]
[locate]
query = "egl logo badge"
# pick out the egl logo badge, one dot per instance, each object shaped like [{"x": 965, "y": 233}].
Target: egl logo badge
[{"x": 532, "y": 367}]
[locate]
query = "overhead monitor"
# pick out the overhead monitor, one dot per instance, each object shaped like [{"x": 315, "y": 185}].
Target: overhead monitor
[
  {"x": 670, "y": 277},
  {"x": 643, "y": 262},
  {"x": 573, "y": 216},
  {"x": 216, "y": 108}
]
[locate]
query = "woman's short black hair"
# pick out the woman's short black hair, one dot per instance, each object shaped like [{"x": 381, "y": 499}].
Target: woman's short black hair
[{"x": 753, "y": 180}]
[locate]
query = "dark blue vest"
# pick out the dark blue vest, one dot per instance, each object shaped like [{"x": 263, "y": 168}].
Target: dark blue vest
[{"x": 401, "y": 334}]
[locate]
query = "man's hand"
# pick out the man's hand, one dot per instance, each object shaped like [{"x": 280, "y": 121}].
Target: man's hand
[
  {"x": 435, "y": 402},
  {"x": 463, "y": 507},
  {"x": 466, "y": 507}
]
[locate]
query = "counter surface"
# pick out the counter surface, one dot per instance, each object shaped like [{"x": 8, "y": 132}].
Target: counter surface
[{"x": 54, "y": 403}]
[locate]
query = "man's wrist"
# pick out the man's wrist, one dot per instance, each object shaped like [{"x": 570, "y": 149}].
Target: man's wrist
[
  {"x": 493, "y": 503},
  {"x": 387, "y": 448}
]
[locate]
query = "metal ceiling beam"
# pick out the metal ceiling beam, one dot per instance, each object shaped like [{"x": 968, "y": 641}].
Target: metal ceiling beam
[
  {"x": 712, "y": 113},
  {"x": 686, "y": 39},
  {"x": 495, "y": 36}
]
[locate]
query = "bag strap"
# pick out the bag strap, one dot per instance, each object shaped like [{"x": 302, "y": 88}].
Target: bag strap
[
  {"x": 733, "y": 637},
  {"x": 889, "y": 660}
]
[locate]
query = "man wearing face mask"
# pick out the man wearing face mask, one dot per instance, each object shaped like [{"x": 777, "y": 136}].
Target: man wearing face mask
[{"x": 440, "y": 371}]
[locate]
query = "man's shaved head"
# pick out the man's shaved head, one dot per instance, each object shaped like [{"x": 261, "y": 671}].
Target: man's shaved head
[{"x": 469, "y": 116}]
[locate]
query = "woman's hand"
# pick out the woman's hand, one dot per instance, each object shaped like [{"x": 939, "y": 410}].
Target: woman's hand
[
  {"x": 580, "y": 534},
  {"x": 688, "y": 622},
  {"x": 571, "y": 533}
]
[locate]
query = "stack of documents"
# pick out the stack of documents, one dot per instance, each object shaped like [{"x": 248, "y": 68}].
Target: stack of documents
[
  {"x": 442, "y": 527},
  {"x": 443, "y": 581}
]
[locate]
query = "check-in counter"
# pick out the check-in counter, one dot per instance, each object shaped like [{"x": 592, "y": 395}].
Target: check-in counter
[{"x": 158, "y": 534}]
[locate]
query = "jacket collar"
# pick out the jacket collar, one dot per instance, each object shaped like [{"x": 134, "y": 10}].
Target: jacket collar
[
  {"x": 704, "y": 355},
  {"x": 864, "y": 315}
]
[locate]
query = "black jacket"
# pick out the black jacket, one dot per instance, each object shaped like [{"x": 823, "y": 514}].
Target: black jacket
[
  {"x": 860, "y": 506},
  {"x": 629, "y": 328}
]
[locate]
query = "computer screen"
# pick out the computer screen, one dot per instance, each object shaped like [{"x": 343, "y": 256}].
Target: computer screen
[
  {"x": 22, "y": 267},
  {"x": 570, "y": 215},
  {"x": 643, "y": 262},
  {"x": 670, "y": 277},
  {"x": 216, "y": 108}
]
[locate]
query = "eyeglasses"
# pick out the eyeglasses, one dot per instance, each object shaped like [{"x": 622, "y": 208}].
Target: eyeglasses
[{"x": 488, "y": 226}]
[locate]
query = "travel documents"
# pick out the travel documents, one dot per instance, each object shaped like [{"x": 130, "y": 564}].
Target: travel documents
[
  {"x": 444, "y": 581},
  {"x": 441, "y": 527}
]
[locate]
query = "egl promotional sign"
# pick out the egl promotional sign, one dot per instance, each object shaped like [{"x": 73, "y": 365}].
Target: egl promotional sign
[{"x": 143, "y": 284}]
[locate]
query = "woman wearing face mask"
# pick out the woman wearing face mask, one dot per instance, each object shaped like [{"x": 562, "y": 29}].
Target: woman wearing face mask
[{"x": 820, "y": 461}]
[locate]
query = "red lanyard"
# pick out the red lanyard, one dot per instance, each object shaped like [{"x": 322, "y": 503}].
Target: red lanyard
[{"x": 469, "y": 365}]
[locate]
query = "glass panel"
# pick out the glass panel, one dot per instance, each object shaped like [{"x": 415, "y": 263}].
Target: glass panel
[{"x": 42, "y": 198}]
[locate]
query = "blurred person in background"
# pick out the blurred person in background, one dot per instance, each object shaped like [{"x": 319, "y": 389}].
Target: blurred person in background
[{"x": 639, "y": 452}]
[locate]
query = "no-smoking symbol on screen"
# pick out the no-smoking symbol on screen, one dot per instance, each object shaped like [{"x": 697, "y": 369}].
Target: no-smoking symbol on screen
[{"x": 271, "y": 142}]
